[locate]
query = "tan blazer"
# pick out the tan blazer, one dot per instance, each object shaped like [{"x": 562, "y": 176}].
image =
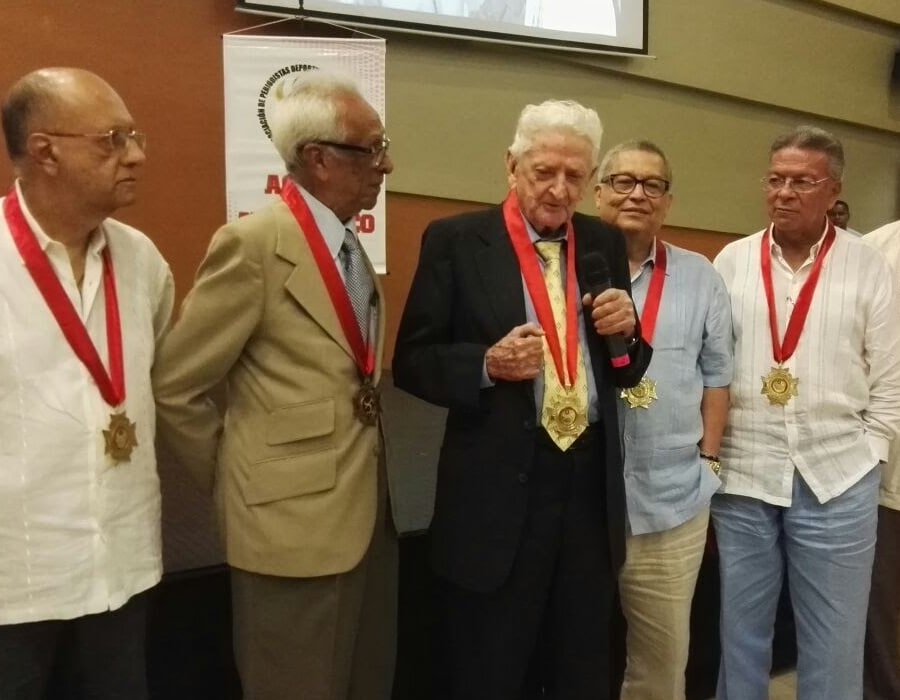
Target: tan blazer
[{"x": 294, "y": 473}]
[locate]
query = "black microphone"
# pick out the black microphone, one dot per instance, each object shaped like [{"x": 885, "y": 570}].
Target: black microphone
[{"x": 597, "y": 280}]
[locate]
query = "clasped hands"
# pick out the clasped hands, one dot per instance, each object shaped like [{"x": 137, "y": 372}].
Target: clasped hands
[{"x": 519, "y": 355}]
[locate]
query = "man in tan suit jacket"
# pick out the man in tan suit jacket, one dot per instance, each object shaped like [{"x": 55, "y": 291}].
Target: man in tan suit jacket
[{"x": 296, "y": 462}]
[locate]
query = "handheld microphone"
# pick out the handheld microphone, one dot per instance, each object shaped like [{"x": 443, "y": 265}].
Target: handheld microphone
[{"x": 597, "y": 279}]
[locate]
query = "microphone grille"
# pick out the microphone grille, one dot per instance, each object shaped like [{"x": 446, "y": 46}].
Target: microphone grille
[{"x": 596, "y": 269}]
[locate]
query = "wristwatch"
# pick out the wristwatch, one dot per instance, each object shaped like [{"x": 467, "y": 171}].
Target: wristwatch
[{"x": 712, "y": 461}]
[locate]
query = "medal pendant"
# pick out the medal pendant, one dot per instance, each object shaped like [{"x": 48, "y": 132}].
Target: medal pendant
[
  {"x": 642, "y": 395},
  {"x": 779, "y": 386},
  {"x": 563, "y": 418},
  {"x": 120, "y": 438},
  {"x": 367, "y": 404}
]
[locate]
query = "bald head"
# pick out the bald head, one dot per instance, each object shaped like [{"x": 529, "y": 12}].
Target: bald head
[
  {"x": 73, "y": 145},
  {"x": 49, "y": 99}
]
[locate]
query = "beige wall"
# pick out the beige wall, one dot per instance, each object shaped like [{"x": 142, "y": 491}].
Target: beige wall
[{"x": 727, "y": 76}]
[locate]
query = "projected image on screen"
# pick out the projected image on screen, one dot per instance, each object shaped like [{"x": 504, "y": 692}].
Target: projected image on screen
[
  {"x": 580, "y": 16},
  {"x": 618, "y": 26}
]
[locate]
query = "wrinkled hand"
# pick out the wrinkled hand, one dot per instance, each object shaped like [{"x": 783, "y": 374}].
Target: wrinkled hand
[
  {"x": 518, "y": 356},
  {"x": 613, "y": 312}
]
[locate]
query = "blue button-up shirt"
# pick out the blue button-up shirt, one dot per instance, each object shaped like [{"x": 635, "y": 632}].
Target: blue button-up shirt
[{"x": 666, "y": 483}]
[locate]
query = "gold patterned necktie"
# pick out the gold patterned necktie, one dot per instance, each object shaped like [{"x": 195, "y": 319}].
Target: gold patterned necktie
[{"x": 563, "y": 411}]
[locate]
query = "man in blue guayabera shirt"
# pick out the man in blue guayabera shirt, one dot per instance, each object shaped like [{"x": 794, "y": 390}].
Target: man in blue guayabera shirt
[{"x": 672, "y": 421}]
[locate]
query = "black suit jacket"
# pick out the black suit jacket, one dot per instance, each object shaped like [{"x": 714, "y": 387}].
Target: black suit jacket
[{"x": 466, "y": 295}]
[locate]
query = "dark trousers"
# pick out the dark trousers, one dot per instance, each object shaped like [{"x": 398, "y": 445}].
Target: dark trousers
[
  {"x": 99, "y": 657},
  {"x": 545, "y": 632},
  {"x": 881, "y": 670}
]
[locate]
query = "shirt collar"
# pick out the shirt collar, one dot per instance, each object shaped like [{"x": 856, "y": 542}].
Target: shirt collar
[
  {"x": 331, "y": 228},
  {"x": 775, "y": 249},
  {"x": 649, "y": 261},
  {"x": 535, "y": 237},
  {"x": 95, "y": 245},
  {"x": 651, "y": 255}
]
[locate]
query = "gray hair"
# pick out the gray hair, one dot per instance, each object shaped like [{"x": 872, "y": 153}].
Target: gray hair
[
  {"x": 557, "y": 115},
  {"x": 812, "y": 138},
  {"x": 307, "y": 111},
  {"x": 633, "y": 145}
]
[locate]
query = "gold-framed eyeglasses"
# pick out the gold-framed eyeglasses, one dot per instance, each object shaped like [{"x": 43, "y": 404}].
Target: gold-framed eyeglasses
[
  {"x": 112, "y": 140},
  {"x": 623, "y": 183},
  {"x": 377, "y": 151},
  {"x": 802, "y": 185}
]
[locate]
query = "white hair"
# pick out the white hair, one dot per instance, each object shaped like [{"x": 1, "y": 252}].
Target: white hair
[
  {"x": 555, "y": 116},
  {"x": 305, "y": 109}
]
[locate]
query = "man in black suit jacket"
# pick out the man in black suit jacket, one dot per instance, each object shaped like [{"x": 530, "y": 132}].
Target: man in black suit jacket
[{"x": 528, "y": 527}]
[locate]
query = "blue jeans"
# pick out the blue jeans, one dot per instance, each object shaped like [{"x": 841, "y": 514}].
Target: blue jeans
[{"x": 828, "y": 550}]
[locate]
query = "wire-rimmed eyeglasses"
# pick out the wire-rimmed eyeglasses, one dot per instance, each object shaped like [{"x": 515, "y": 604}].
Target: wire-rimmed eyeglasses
[
  {"x": 802, "y": 185},
  {"x": 113, "y": 140}
]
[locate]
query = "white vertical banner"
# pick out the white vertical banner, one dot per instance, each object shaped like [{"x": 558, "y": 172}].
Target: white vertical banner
[{"x": 257, "y": 69}]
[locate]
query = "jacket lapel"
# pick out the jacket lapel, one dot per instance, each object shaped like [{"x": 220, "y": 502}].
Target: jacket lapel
[
  {"x": 304, "y": 283},
  {"x": 500, "y": 276}
]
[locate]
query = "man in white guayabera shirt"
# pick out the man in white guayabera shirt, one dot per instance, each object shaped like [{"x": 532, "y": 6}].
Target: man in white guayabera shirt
[
  {"x": 83, "y": 301},
  {"x": 815, "y": 402}
]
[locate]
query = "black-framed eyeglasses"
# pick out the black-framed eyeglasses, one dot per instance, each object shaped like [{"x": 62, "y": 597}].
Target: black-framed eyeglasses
[
  {"x": 113, "y": 140},
  {"x": 773, "y": 183},
  {"x": 624, "y": 184},
  {"x": 377, "y": 152}
]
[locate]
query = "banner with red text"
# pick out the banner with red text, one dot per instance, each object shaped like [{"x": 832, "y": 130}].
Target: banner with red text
[{"x": 257, "y": 68}]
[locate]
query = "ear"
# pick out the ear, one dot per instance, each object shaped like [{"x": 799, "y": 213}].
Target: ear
[
  {"x": 43, "y": 151},
  {"x": 666, "y": 204},
  {"x": 511, "y": 164},
  {"x": 835, "y": 193},
  {"x": 311, "y": 159}
]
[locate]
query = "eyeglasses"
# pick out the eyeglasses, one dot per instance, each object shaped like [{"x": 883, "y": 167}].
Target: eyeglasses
[
  {"x": 113, "y": 140},
  {"x": 624, "y": 184},
  {"x": 377, "y": 152},
  {"x": 773, "y": 183}
]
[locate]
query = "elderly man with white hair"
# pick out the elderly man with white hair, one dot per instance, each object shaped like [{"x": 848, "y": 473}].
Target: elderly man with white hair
[
  {"x": 288, "y": 313},
  {"x": 519, "y": 321}
]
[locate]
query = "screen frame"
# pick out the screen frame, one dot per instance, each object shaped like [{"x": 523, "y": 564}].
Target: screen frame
[{"x": 262, "y": 7}]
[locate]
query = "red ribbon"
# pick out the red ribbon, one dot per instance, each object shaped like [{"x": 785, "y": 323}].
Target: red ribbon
[
  {"x": 654, "y": 294},
  {"x": 340, "y": 298},
  {"x": 782, "y": 352},
  {"x": 534, "y": 281},
  {"x": 111, "y": 385}
]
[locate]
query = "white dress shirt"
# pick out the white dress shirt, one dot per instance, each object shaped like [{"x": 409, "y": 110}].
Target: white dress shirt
[
  {"x": 847, "y": 363},
  {"x": 887, "y": 240},
  {"x": 79, "y": 534}
]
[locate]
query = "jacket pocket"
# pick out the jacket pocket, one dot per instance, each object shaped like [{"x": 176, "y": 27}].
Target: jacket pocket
[{"x": 299, "y": 457}]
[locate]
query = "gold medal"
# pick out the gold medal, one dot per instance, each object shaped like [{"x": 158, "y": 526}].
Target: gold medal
[
  {"x": 642, "y": 395},
  {"x": 779, "y": 386},
  {"x": 367, "y": 404},
  {"x": 562, "y": 417},
  {"x": 120, "y": 438}
]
